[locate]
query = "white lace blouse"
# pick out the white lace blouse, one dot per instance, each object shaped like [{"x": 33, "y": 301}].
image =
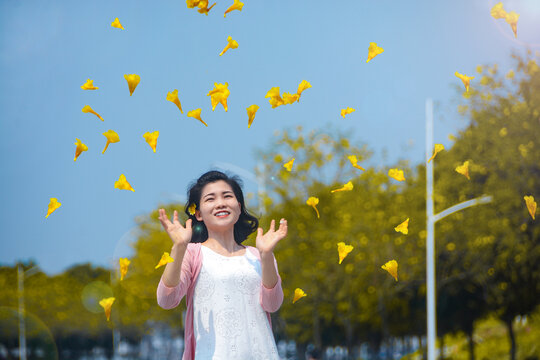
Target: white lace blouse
[{"x": 228, "y": 321}]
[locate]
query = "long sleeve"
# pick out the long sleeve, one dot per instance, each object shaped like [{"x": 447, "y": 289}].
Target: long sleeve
[
  {"x": 170, "y": 297},
  {"x": 271, "y": 299}
]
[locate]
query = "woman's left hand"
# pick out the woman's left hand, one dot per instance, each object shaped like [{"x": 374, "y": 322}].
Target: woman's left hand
[{"x": 266, "y": 243}]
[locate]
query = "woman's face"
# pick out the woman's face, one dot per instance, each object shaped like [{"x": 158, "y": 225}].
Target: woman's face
[{"x": 219, "y": 208}]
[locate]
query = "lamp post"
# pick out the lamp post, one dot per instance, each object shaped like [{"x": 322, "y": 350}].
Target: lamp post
[
  {"x": 430, "y": 244},
  {"x": 21, "y": 274}
]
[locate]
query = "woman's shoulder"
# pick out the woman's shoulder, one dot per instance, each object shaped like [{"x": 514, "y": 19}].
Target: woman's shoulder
[
  {"x": 254, "y": 251},
  {"x": 193, "y": 249}
]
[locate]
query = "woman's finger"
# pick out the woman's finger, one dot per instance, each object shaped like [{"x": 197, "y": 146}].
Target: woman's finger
[
  {"x": 175, "y": 217},
  {"x": 273, "y": 225}
]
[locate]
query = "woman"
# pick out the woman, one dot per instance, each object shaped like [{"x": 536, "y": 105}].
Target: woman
[{"x": 230, "y": 289}]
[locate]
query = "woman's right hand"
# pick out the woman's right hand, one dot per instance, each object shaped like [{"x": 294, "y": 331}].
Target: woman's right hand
[{"x": 179, "y": 235}]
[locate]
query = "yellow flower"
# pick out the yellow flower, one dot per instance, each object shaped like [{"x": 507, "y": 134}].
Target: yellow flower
[
  {"x": 251, "y": 113},
  {"x": 88, "y": 109},
  {"x": 298, "y": 294},
  {"x": 290, "y": 98},
  {"x": 346, "y": 111},
  {"x": 347, "y": 187},
  {"x": 403, "y": 227},
  {"x": 231, "y": 44},
  {"x": 354, "y": 161},
  {"x": 304, "y": 85},
  {"x": 197, "y": 115},
  {"x": 498, "y": 12},
  {"x": 151, "y": 139},
  {"x": 466, "y": 80},
  {"x": 219, "y": 94},
  {"x": 373, "y": 51},
  {"x": 288, "y": 165},
  {"x": 438, "y": 148},
  {"x": 106, "y": 303},
  {"x": 79, "y": 149},
  {"x": 203, "y": 7},
  {"x": 89, "y": 85},
  {"x": 173, "y": 97},
  {"x": 192, "y": 208},
  {"x": 132, "y": 80},
  {"x": 396, "y": 174},
  {"x": 512, "y": 19},
  {"x": 343, "y": 250},
  {"x": 313, "y": 201},
  {"x": 116, "y": 24},
  {"x": 165, "y": 259},
  {"x": 391, "y": 266},
  {"x": 192, "y": 3},
  {"x": 124, "y": 264},
  {"x": 236, "y": 6},
  {"x": 53, "y": 205},
  {"x": 275, "y": 99},
  {"x": 531, "y": 205},
  {"x": 464, "y": 169},
  {"x": 112, "y": 137},
  {"x": 122, "y": 184}
]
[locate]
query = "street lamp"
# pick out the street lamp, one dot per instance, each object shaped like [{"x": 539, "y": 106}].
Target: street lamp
[
  {"x": 431, "y": 220},
  {"x": 21, "y": 274}
]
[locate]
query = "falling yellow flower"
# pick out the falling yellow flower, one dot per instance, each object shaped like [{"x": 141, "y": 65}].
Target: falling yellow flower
[
  {"x": 231, "y": 44},
  {"x": 203, "y": 7},
  {"x": 396, "y": 174},
  {"x": 288, "y": 165},
  {"x": 251, "y": 111},
  {"x": 343, "y": 250},
  {"x": 531, "y": 205},
  {"x": 88, "y": 109},
  {"x": 192, "y": 3},
  {"x": 124, "y": 264},
  {"x": 275, "y": 99},
  {"x": 165, "y": 259},
  {"x": 438, "y": 148},
  {"x": 347, "y": 187},
  {"x": 132, "y": 80},
  {"x": 106, "y": 303},
  {"x": 236, "y": 6},
  {"x": 346, "y": 111},
  {"x": 53, "y": 205},
  {"x": 464, "y": 169},
  {"x": 304, "y": 85},
  {"x": 122, "y": 184},
  {"x": 498, "y": 12},
  {"x": 79, "y": 149},
  {"x": 116, "y": 24},
  {"x": 298, "y": 294},
  {"x": 373, "y": 51},
  {"x": 151, "y": 139},
  {"x": 89, "y": 85},
  {"x": 112, "y": 137},
  {"x": 354, "y": 162},
  {"x": 391, "y": 266},
  {"x": 466, "y": 80},
  {"x": 313, "y": 201},
  {"x": 197, "y": 115},
  {"x": 512, "y": 19},
  {"x": 192, "y": 208},
  {"x": 290, "y": 98},
  {"x": 219, "y": 94},
  {"x": 403, "y": 227},
  {"x": 173, "y": 97}
]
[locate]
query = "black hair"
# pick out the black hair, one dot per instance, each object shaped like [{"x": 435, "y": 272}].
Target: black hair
[{"x": 246, "y": 224}]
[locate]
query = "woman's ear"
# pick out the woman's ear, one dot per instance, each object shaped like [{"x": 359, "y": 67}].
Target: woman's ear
[{"x": 198, "y": 215}]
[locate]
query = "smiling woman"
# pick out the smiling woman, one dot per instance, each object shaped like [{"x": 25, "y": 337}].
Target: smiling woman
[{"x": 230, "y": 289}]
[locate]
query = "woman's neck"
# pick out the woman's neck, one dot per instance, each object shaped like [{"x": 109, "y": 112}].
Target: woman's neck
[{"x": 223, "y": 241}]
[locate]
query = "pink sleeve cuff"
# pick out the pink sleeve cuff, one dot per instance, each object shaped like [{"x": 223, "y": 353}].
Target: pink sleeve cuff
[{"x": 168, "y": 297}]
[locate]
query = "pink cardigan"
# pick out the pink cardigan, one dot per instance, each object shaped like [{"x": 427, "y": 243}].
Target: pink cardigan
[{"x": 169, "y": 297}]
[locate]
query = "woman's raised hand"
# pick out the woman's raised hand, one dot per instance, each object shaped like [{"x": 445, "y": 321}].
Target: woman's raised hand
[
  {"x": 266, "y": 243},
  {"x": 179, "y": 235}
]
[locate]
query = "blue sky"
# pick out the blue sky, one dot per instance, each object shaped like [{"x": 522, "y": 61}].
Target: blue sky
[{"x": 49, "y": 48}]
